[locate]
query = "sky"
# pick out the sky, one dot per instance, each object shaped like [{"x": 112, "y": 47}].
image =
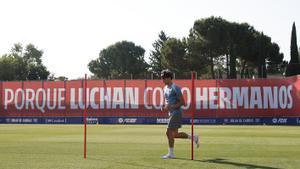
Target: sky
[{"x": 71, "y": 33}]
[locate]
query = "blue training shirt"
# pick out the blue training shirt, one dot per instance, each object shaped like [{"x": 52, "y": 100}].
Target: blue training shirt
[{"x": 172, "y": 94}]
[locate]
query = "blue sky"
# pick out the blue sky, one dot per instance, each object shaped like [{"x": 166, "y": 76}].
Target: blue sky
[{"x": 72, "y": 32}]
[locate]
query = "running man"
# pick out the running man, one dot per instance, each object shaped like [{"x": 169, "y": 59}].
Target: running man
[{"x": 173, "y": 102}]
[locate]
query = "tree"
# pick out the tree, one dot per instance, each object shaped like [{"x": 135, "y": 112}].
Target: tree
[
  {"x": 118, "y": 60},
  {"x": 8, "y": 67},
  {"x": 244, "y": 49},
  {"x": 155, "y": 55},
  {"x": 212, "y": 32},
  {"x": 275, "y": 63},
  {"x": 262, "y": 48},
  {"x": 293, "y": 67},
  {"x": 196, "y": 56},
  {"x": 241, "y": 49},
  {"x": 174, "y": 55},
  {"x": 37, "y": 72},
  {"x": 24, "y": 64},
  {"x": 21, "y": 68}
]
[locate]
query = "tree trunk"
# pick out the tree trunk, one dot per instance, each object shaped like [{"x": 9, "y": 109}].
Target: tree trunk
[
  {"x": 227, "y": 66},
  {"x": 211, "y": 64},
  {"x": 243, "y": 70},
  {"x": 232, "y": 63},
  {"x": 247, "y": 73},
  {"x": 212, "y": 67},
  {"x": 262, "y": 70}
]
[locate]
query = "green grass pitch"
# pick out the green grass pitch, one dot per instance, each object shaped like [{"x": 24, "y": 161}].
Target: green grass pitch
[{"x": 141, "y": 146}]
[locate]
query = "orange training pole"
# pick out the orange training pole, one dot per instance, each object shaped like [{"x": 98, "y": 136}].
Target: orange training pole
[
  {"x": 84, "y": 115},
  {"x": 193, "y": 112}
]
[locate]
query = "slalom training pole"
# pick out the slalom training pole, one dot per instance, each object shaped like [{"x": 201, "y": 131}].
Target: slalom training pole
[
  {"x": 193, "y": 113},
  {"x": 84, "y": 116}
]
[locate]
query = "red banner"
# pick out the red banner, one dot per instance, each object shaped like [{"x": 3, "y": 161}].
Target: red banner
[{"x": 213, "y": 98}]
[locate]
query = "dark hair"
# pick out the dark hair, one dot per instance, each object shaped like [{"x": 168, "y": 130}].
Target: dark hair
[{"x": 166, "y": 73}]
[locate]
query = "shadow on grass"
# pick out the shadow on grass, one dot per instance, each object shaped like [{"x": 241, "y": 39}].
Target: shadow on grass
[
  {"x": 127, "y": 163},
  {"x": 227, "y": 162}
]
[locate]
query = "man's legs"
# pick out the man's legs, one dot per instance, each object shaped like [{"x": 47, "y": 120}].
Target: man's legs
[
  {"x": 172, "y": 134},
  {"x": 181, "y": 135},
  {"x": 187, "y": 136}
]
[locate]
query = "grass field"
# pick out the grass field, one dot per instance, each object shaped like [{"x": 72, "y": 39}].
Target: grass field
[{"x": 141, "y": 146}]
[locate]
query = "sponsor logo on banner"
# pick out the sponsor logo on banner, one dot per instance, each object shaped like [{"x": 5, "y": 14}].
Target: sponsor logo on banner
[
  {"x": 55, "y": 120},
  {"x": 207, "y": 121},
  {"x": 242, "y": 120},
  {"x": 21, "y": 120},
  {"x": 280, "y": 120},
  {"x": 127, "y": 120},
  {"x": 162, "y": 120},
  {"x": 195, "y": 121},
  {"x": 91, "y": 120},
  {"x": 120, "y": 120},
  {"x": 235, "y": 120},
  {"x": 7, "y": 120}
]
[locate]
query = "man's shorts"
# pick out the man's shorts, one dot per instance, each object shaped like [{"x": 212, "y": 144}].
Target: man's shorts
[{"x": 175, "y": 119}]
